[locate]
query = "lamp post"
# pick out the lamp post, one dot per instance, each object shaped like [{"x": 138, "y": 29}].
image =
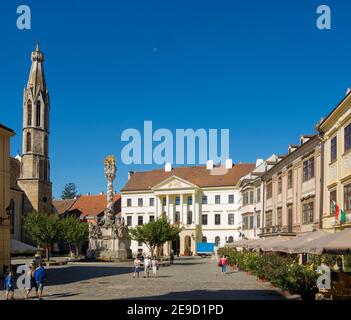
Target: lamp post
[{"x": 9, "y": 212}]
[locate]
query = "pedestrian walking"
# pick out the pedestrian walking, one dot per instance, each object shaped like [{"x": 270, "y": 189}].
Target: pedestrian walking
[
  {"x": 137, "y": 263},
  {"x": 172, "y": 256},
  {"x": 223, "y": 262},
  {"x": 40, "y": 279},
  {"x": 32, "y": 283},
  {"x": 154, "y": 264},
  {"x": 147, "y": 265},
  {"x": 9, "y": 286}
]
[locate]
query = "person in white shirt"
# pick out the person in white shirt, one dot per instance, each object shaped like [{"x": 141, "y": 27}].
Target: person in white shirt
[
  {"x": 154, "y": 264},
  {"x": 147, "y": 265}
]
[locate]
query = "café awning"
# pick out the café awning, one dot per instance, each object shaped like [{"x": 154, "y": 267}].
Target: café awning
[
  {"x": 295, "y": 245},
  {"x": 333, "y": 243},
  {"x": 269, "y": 243}
]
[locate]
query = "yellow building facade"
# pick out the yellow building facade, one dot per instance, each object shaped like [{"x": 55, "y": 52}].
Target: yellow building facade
[
  {"x": 336, "y": 132},
  {"x": 5, "y": 239}
]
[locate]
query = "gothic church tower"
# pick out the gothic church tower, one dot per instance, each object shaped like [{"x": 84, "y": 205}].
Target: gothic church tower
[{"x": 35, "y": 165}]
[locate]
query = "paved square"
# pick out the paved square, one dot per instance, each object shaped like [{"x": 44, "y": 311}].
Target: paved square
[{"x": 188, "y": 278}]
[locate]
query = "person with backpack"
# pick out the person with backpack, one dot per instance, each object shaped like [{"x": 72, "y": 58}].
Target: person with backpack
[
  {"x": 33, "y": 284},
  {"x": 9, "y": 286},
  {"x": 40, "y": 278}
]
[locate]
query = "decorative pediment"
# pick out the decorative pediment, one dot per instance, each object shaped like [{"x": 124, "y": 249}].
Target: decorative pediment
[{"x": 174, "y": 182}]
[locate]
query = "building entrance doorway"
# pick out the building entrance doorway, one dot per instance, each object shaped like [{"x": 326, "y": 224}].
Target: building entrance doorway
[{"x": 176, "y": 246}]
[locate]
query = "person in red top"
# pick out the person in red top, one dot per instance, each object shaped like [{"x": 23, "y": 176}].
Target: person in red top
[{"x": 223, "y": 262}]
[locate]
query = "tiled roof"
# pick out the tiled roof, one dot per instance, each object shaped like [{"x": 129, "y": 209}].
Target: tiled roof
[
  {"x": 199, "y": 176},
  {"x": 94, "y": 205},
  {"x": 5, "y": 128},
  {"x": 63, "y": 206}
]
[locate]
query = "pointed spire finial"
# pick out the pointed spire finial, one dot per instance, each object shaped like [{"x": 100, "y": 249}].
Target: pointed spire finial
[{"x": 38, "y": 46}]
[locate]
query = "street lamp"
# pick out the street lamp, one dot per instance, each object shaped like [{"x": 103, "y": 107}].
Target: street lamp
[{"x": 9, "y": 212}]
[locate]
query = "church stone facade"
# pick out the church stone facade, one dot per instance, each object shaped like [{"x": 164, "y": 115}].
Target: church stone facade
[{"x": 31, "y": 188}]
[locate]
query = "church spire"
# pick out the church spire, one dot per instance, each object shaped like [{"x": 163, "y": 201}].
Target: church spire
[{"x": 36, "y": 80}]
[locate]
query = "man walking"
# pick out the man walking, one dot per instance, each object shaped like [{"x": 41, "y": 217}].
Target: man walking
[{"x": 40, "y": 278}]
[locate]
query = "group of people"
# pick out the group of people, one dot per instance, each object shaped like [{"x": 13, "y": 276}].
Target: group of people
[
  {"x": 150, "y": 264},
  {"x": 37, "y": 275}
]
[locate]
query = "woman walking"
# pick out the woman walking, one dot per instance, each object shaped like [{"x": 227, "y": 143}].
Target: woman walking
[
  {"x": 33, "y": 284},
  {"x": 137, "y": 263},
  {"x": 223, "y": 262},
  {"x": 154, "y": 264}
]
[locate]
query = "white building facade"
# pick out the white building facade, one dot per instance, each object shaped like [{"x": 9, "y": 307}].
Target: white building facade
[{"x": 204, "y": 204}]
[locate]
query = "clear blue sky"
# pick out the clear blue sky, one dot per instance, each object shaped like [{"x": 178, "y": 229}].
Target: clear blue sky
[{"x": 260, "y": 68}]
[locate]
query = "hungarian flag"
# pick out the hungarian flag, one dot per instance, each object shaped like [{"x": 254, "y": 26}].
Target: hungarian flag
[{"x": 339, "y": 214}]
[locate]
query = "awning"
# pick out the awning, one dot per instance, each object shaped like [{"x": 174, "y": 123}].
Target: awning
[
  {"x": 334, "y": 243},
  {"x": 296, "y": 244},
  {"x": 18, "y": 247},
  {"x": 269, "y": 243}
]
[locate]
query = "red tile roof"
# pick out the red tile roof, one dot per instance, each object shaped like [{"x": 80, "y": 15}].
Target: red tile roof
[
  {"x": 94, "y": 205},
  {"x": 63, "y": 206},
  {"x": 199, "y": 176}
]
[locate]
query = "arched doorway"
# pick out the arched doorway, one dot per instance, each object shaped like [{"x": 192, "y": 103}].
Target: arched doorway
[
  {"x": 230, "y": 239},
  {"x": 187, "y": 246},
  {"x": 176, "y": 246}
]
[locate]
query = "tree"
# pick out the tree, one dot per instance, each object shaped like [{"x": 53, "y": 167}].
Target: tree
[
  {"x": 69, "y": 191},
  {"x": 155, "y": 234},
  {"x": 44, "y": 229},
  {"x": 75, "y": 233}
]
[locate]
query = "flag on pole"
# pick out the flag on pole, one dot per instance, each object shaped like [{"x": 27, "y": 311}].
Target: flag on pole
[{"x": 340, "y": 215}]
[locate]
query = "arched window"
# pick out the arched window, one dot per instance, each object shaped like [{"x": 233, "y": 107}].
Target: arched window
[
  {"x": 189, "y": 218},
  {"x": 29, "y": 142},
  {"x": 177, "y": 217},
  {"x": 230, "y": 239},
  {"x": 217, "y": 241},
  {"x": 29, "y": 113},
  {"x": 38, "y": 113},
  {"x": 46, "y": 146},
  {"x": 204, "y": 239}
]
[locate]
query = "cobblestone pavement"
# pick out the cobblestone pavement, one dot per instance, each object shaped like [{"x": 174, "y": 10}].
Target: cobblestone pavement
[{"x": 188, "y": 278}]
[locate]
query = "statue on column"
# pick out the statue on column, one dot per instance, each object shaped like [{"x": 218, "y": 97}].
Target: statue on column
[{"x": 110, "y": 170}]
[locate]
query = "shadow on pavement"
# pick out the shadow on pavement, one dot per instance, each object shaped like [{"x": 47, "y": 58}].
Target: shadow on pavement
[
  {"x": 217, "y": 295},
  {"x": 71, "y": 274}
]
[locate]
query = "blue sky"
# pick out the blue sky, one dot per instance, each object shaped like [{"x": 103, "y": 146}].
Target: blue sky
[{"x": 261, "y": 69}]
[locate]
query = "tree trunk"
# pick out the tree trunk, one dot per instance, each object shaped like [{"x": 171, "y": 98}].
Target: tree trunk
[
  {"x": 77, "y": 250},
  {"x": 47, "y": 253}
]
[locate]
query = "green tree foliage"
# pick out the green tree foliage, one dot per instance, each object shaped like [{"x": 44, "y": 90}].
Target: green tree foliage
[
  {"x": 75, "y": 232},
  {"x": 155, "y": 234},
  {"x": 44, "y": 229},
  {"x": 69, "y": 191}
]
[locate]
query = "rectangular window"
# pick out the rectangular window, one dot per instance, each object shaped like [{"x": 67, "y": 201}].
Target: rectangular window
[
  {"x": 231, "y": 198},
  {"x": 251, "y": 197},
  {"x": 279, "y": 216},
  {"x": 189, "y": 218},
  {"x": 347, "y": 197},
  {"x": 129, "y": 221},
  {"x": 258, "y": 219},
  {"x": 280, "y": 184},
  {"x": 269, "y": 190},
  {"x": 152, "y": 202},
  {"x": 140, "y": 220},
  {"x": 347, "y": 138},
  {"x": 269, "y": 220},
  {"x": 190, "y": 200},
  {"x": 164, "y": 201},
  {"x": 332, "y": 197},
  {"x": 204, "y": 219},
  {"x": 251, "y": 222},
  {"x": 245, "y": 223},
  {"x": 231, "y": 219},
  {"x": 140, "y": 202},
  {"x": 140, "y": 243},
  {"x": 217, "y": 219},
  {"x": 152, "y": 219},
  {"x": 245, "y": 199},
  {"x": 129, "y": 202},
  {"x": 308, "y": 169},
  {"x": 258, "y": 195},
  {"x": 308, "y": 213},
  {"x": 204, "y": 199},
  {"x": 290, "y": 179},
  {"x": 333, "y": 149},
  {"x": 177, "y": 201},
  {"x": 217, "y": 199}
]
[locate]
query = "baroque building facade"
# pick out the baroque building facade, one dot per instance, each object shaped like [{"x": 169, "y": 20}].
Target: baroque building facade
[
  {"x": 5, "y": 202},
  {"x": 336, "y": 133},
  {"x": 205, "y": 205}
]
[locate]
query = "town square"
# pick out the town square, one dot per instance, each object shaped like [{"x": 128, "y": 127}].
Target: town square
[{"x": 160, "y": 174}]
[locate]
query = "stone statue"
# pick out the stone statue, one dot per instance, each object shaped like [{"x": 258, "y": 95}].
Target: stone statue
[
  {"x": 110, "y": 170},
  {"x": 94, "y": 231}
]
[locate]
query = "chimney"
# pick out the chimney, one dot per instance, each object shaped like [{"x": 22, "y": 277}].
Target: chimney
[
  {"x": 348, "y": 90},
  {"x": 168, "y": 167},
  {"x": 102, "y": 193},
  {"x": 210, "y": 165},
  {"x": 130, "y": 174},
  {"x": 229, "y": 164},
  {"x": 88, "y": 194}
]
